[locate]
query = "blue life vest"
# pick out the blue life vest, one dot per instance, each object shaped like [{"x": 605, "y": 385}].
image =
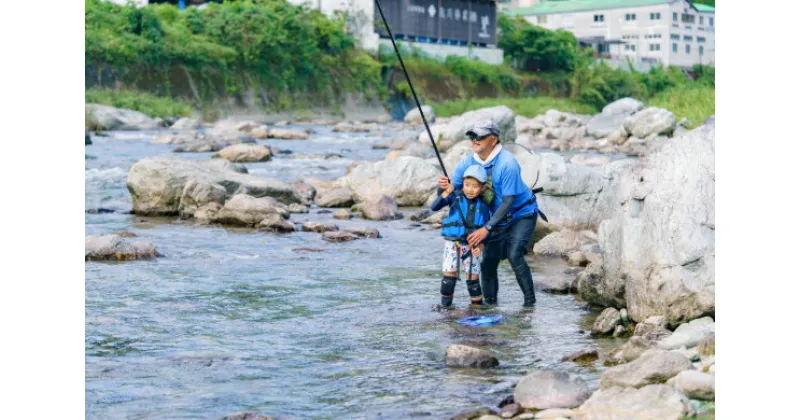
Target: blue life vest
[{"x": 474, "y": 212}]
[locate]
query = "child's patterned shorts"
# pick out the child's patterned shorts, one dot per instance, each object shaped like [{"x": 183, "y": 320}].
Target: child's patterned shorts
[{"x": 450, "y": 259}]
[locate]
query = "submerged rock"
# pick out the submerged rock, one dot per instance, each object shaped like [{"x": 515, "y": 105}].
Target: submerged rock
[
  {"x": 606, "y": 322},
  {"x": 461, "y": 356},
  {"x": 117, "y": 248}
]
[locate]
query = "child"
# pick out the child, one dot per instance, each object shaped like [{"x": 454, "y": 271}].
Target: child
[{"x": 465, "y": 205}]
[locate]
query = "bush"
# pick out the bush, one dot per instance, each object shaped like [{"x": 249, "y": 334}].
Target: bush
[
  {"x": 146, "y": 103},
  {"x": 695, "y": 102}
]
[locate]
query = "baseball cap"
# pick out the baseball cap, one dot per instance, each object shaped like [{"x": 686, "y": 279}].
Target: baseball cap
[
  {"x": 477, "y": 172},
  {"x": 484, "y": 128}
]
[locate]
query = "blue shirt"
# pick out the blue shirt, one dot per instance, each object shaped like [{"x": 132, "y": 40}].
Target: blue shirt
[{"x": 506, "y": 177}]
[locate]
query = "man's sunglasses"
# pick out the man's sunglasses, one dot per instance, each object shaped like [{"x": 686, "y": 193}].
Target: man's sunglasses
[{"x": 476, "y": 138}]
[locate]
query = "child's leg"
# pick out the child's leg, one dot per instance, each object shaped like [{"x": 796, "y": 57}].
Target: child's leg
[
  {"x": 449, "y": 267},
  {"x": 473, "y": 264}
]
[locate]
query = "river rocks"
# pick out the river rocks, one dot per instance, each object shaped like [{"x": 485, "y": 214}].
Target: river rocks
[
  {"x": 342, "y": 214},
  {"x": 170, "y": 186},
  {"x": 363, "y": 232},
  {"x": 606, "y": 322},
  {"x": 562, "y": 242},
  {"x": 510, "y": 411},
  {"x": 436, "y": 217},
  {"x": 603, "y": 126},
  {"x": 626, "y": 106},
  {"x": 413, "y": 117},
  {"x": 456, "y": 129},
  {"x": 104, "y": 117},
  {"x": 652, "y": 367},
  {"x": 245, "y": 210},
  {"x": 409, "y": 180},
  {"x": 582, "y": 356},
  {"x": 694, "y": 384},
  {"x": 249, "y": 415},
  {"x": 653, "y": 328},
  {"x": 688, "y": 335},
  {"x": 379, "y": 208},
  {"x": 660, "y": 402},
  {"x": 632, "y": 349},
  {"x": 185, "y": 123},
  {"x": 472, "y": 414},
  {"x": 337, "y": 236},
  {"x": 460, "y": 356},
  {"x": 706, "y": 346},
  {"x": 554, "y": 414},
  {"x": 275, "y": 223},
  {"x": 116, "y": 248},
  {"x": 355, "y": 127},
  {"x": 550, "y": 389},
  {"x": 650, "y": 121},
  {"x": 319, "y": 227},
  {"x": 336, "y": 197},
  {"x": 245, "y": 153},
  {"x": 261, "y": 132},
  {"x": 658, "y": 243},
  {"x": 305, "y": 191},
  {"x": 286, "y": 134},
  {"x": 563, "y": 283}
]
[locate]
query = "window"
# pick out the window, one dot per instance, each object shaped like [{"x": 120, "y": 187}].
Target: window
[
  {"x": 700, "y": 50},
  {"x": 655, "y": 16},
  {"x": 687, "y": 38},
  {"x": 676, "y": 37},
  {"x": 602, "y": 48},
  {"x": 687, "y": 18},
  {"x": 541, "y": 19},
  {"x": 655, "y": 47},
  {"x": 701, "y": 39},
  {"x": 710, "y": 21},
  {"x": 674, "y": 47},
  {"x": 630, "y": 16},
  {"x": 700, "y": 22},
  {"x": 688, "y": 49},
  {"x": 630, "y": 47},
  {"x": 674, "y": 16},
  {"x": 599, "y": 18}
]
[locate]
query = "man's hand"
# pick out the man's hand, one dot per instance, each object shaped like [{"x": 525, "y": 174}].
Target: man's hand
[
  {"x": 475, "y": 238},
  {"x": 444, "y": 182},
  {"x": 478, "y": 250}
]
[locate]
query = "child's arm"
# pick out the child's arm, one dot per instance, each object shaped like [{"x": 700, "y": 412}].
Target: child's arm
[{"x": 444, "y": 199}]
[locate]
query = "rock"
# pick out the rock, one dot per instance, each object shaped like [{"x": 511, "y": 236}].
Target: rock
[
  {"x": 635, "y": 347},
  {"x": 623, "y": 314},
  {"x": 576, "y": 259},
  {"x": 591, "y": 161},
  {"x": 606, "y": 322},
  {"x": 285, "y": 134},
  {"x": 245, "y": 153},
  {"x": 186, "y": 123},
  {"x": 164, "y": 186},
  {"x": 582, "y": 356},
  {"x": 624, "y": 106},
  {"x": 319, "y": 227},
  {"x": 529, "y": 125},
  {"x": 170, "y": 138},
  {"x": 688, "y": 335},
  {"x": 658, "y": 243},
  {"x": 654, "y": 366},
  {"x": 690, "y": 354},
  {"x": 489, "y": 417},
  {"x": 297, "y": 208},
  {"x": 660, "y": 402},
  {"x": 337, "y": 197},
  {"x": 460, "y": 356},
  {"x": 276, "y": 223},
  {"x": 246, "y": 416},
  {"x": 694, "y": 384},
  {"x": 260, "y": 132},
  {"x": 554, "y": 414},
  {"x": 104, "y": 117},
  {"x": 355, "y": 127},
  {"x": 619, "y": 331},
  {"x": 561, "y": 243},
  {"x": 556, "y": 283},
  {"x": 472, "y": 414},
  {"x": 604, "y": 126},
  {"x": 436, "y": 217},
  {"x": 246, "y": 210},
  {"x": 525, "y": 416},
  {"x": 419, "y": 215},
  {"x": 409, "y": 180},
  {"x": 363, "y": 232},
  {"x": 456, "y": 129},
  {"x": 336, "y": 236},
  {"x": 116, "y": 248},
  {"x": 379, "y": 208},
  {"x": 305, "y": 191},
  {"x": 650, "y": 121},
  {"x": 706, "y": 346},
  {"x": 550, "y": 389},
  {"x": 510, "y": 410},
  {"x": 654, "y": 328},
  {"x": 342, "y": 214},
  {"x": 413, "y": 117},
  {"x": 555, "y": 119},
  {"x": 124, "y": 234}
]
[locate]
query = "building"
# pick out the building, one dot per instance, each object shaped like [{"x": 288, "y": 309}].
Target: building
[{"x": 667, "y": 32}]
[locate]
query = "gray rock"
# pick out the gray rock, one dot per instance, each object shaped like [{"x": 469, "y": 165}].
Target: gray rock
[
  {"x": 660, "y": 402},
  {"x": 654, "y": 366},
  {"x": 632, "y": 349},
  {"x": 261, "y": 132},
  {"x": 688, "y": 335},
  {"x": 706, "y": 346},
  {"x": 650, "y": 121},
  {"x": 562, "y": 242},
  {"x": 623, "y": 314},
  {"x": 116, "y": 248},
  {"x": 606, "y": 322},
  {"x": 379, "y": 208},
  {"x": 510, "y": 410},
  {"x": 413, "y": 116},
  {"x": 342, "y": 214},
  {"x": 245, "y": 153},
  {"x": 305, "y": 191},
  {"x": 186, "y": 123},
  {"x": 582, "y": 356},
  {"x": 285, "y": 134},
  {"x": 461, "y": 356},
  {"x": 624, "y": 106},
  {"x": 472, "y": 414},
  {"x": 407, "y": 179},
  {"x": 436, "y": 217},
  {"x": 550, "y": 389},
  {"x": 605, "y": 125},
  {"x": 363, "y": 232},
  {"x": 619, "y": 331},
  {"x": 694, "y": 384},
  {"x": 104, "y": 117},
  {"x": 246, "y": 210},
  {"x": 554, "y": 414},
  {"x": 276, "y": 223},
  {"x": 336, "y": 236},
  {"x": 555, "y": 119},
  {"x": 691, "y": 354},
  {"x": 319, "y": 227},
  {"x": 297, "y": 208},
  {"x": 246, "y": 416},
  {"x": 456, "y": 129},
  {"x": 560, "y": 284},
  {"x": 355, "y": 127},
  {"x": 653, "y": 328},
  {"x": 337, "y": 197}
]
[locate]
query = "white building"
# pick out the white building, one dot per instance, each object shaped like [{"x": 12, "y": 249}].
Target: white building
[{"x": 667, "y": 32}]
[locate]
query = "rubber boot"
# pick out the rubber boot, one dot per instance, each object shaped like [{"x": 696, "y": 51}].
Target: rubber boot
[
  {"x": 526, "y": 285},
  {"x": 447, "y": 290},
  {"x": 489, "y": 282},
  {"x": 475, "y": 295}
]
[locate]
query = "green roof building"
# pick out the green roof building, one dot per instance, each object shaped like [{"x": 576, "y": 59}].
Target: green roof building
[{"x": 667, "y": 32}]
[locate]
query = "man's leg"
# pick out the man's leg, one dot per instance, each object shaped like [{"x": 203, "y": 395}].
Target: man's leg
[
  {"x": 519, "y": 236},
  {"x": 489, "y": 279}
]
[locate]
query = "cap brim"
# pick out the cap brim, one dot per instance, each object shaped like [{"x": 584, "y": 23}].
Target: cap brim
[{"x": 478, "y": 132}]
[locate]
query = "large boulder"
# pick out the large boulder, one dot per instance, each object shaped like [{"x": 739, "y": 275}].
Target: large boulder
[
  {"x": 379, "y": 208},
  {"x": 334, "y": 197},
  {"x": 695, "y": 384},
  {"x": 168, "y": 186},
  {"x": 654, "y": 366},
  {"x": 244, "y": 152},
  {"x": 407, "y": 179},
  {"x": 550, "y": 389},
  {"x": 245, "y": 210},
  {"x": 104, "y": 117},
  {"x": 689, "y": 334},
  {"x": 186, "y": 124},
  {"x": 660, "y": 402},
  {"x": 115, "y": 247},
  {"x": 624, "y": 106},
  {"x": 650, "y": 121},
  {"x": 603, "y": 126},
  {"x": 456, "y": 129},
  {"x": 413, "y": 116},
  {"x": 658, "y": 243}
]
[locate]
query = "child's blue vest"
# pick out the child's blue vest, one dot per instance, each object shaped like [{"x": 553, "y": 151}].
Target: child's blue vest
[{"x": 453, "y": 225}]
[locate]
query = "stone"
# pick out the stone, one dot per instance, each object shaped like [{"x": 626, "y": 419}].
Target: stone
[
  {"x": 604, "y": 126},
  {"x": 582, "y": 356},
  {"x": 319, "y": 227},
  {"x": 706, "y": 346},
  {"x": 342, "y": 214},
  {"x": 185, "y": 123},
  {"x": 413, "y": 117},
  {"x": 456, "y": 129},
  {"x": 694, "y": 384},
  {"x": 276, "y": 223},
  {"x": 623, "y": 314},
  {"x": 117, "y": 248},
  {"x": 472, "y": 414},
  {"x": 245, "y": 153},
  {"x": 354, "y": 127},
  {"x": 559, "y": 284},
  {"x": 691, "y": 354},
  {"x": 554, "y": 413},
  {"x": 286, "y": 134},
  {"x": 576, "y": 259},
  {"x": 246, "y": 416},
  {"x": 660, "y": 402},
  {"x": 305, "y": 191},
  {"x": 461, "y": 356},
  {"x": 297, "y": 208},
  {"x": 624, "y": 106},
  {"x": 688, "y": 335},
  {"x": 619, "y": 331},
  {"x": 489, "y": 417},
  {"x": 510, "y": 410},
  {"x": 336, "y": 236},
  {"x": 363, "y": 231},
  {"x": 632, "y": 349},
  {"x": 379, "y": 208},
  {"x": 436, "y": 217},
  {"x": 525, "y": 416},
  {"x": 650, "y": 121},
  {"x": 606, "y": 322},
  {"x": 337, "y": 197},
  {"x": 246, "y": 210},
  {"x": 543, "y": 389},
  {"x": 654, "y": 366},
  {"x": 554, "y": 118},
  {"x": 409, "y": 180},
  {"x": 562, "y": 242},
  {"x": 529, "y": 125},
  {"x": 104, "y": 117},
  {"x": 261, "y": 132}
]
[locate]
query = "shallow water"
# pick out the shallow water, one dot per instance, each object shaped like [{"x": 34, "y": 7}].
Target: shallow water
[{"x": 232, "y": 320}]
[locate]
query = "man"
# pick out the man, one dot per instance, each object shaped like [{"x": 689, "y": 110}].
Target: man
[{"x": 514, "y": 211}]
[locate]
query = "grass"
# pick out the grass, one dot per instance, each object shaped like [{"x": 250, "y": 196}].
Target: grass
[
  {"x": 528, "y": 107},
  {"x": 146, "y": 103},
  {"x": 693, "y": 102}
]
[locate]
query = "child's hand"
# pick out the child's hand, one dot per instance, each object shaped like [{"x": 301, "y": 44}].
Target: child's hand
[
  {"x": 477, "y": 251},
  {"x": 447, "y": 191}
]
